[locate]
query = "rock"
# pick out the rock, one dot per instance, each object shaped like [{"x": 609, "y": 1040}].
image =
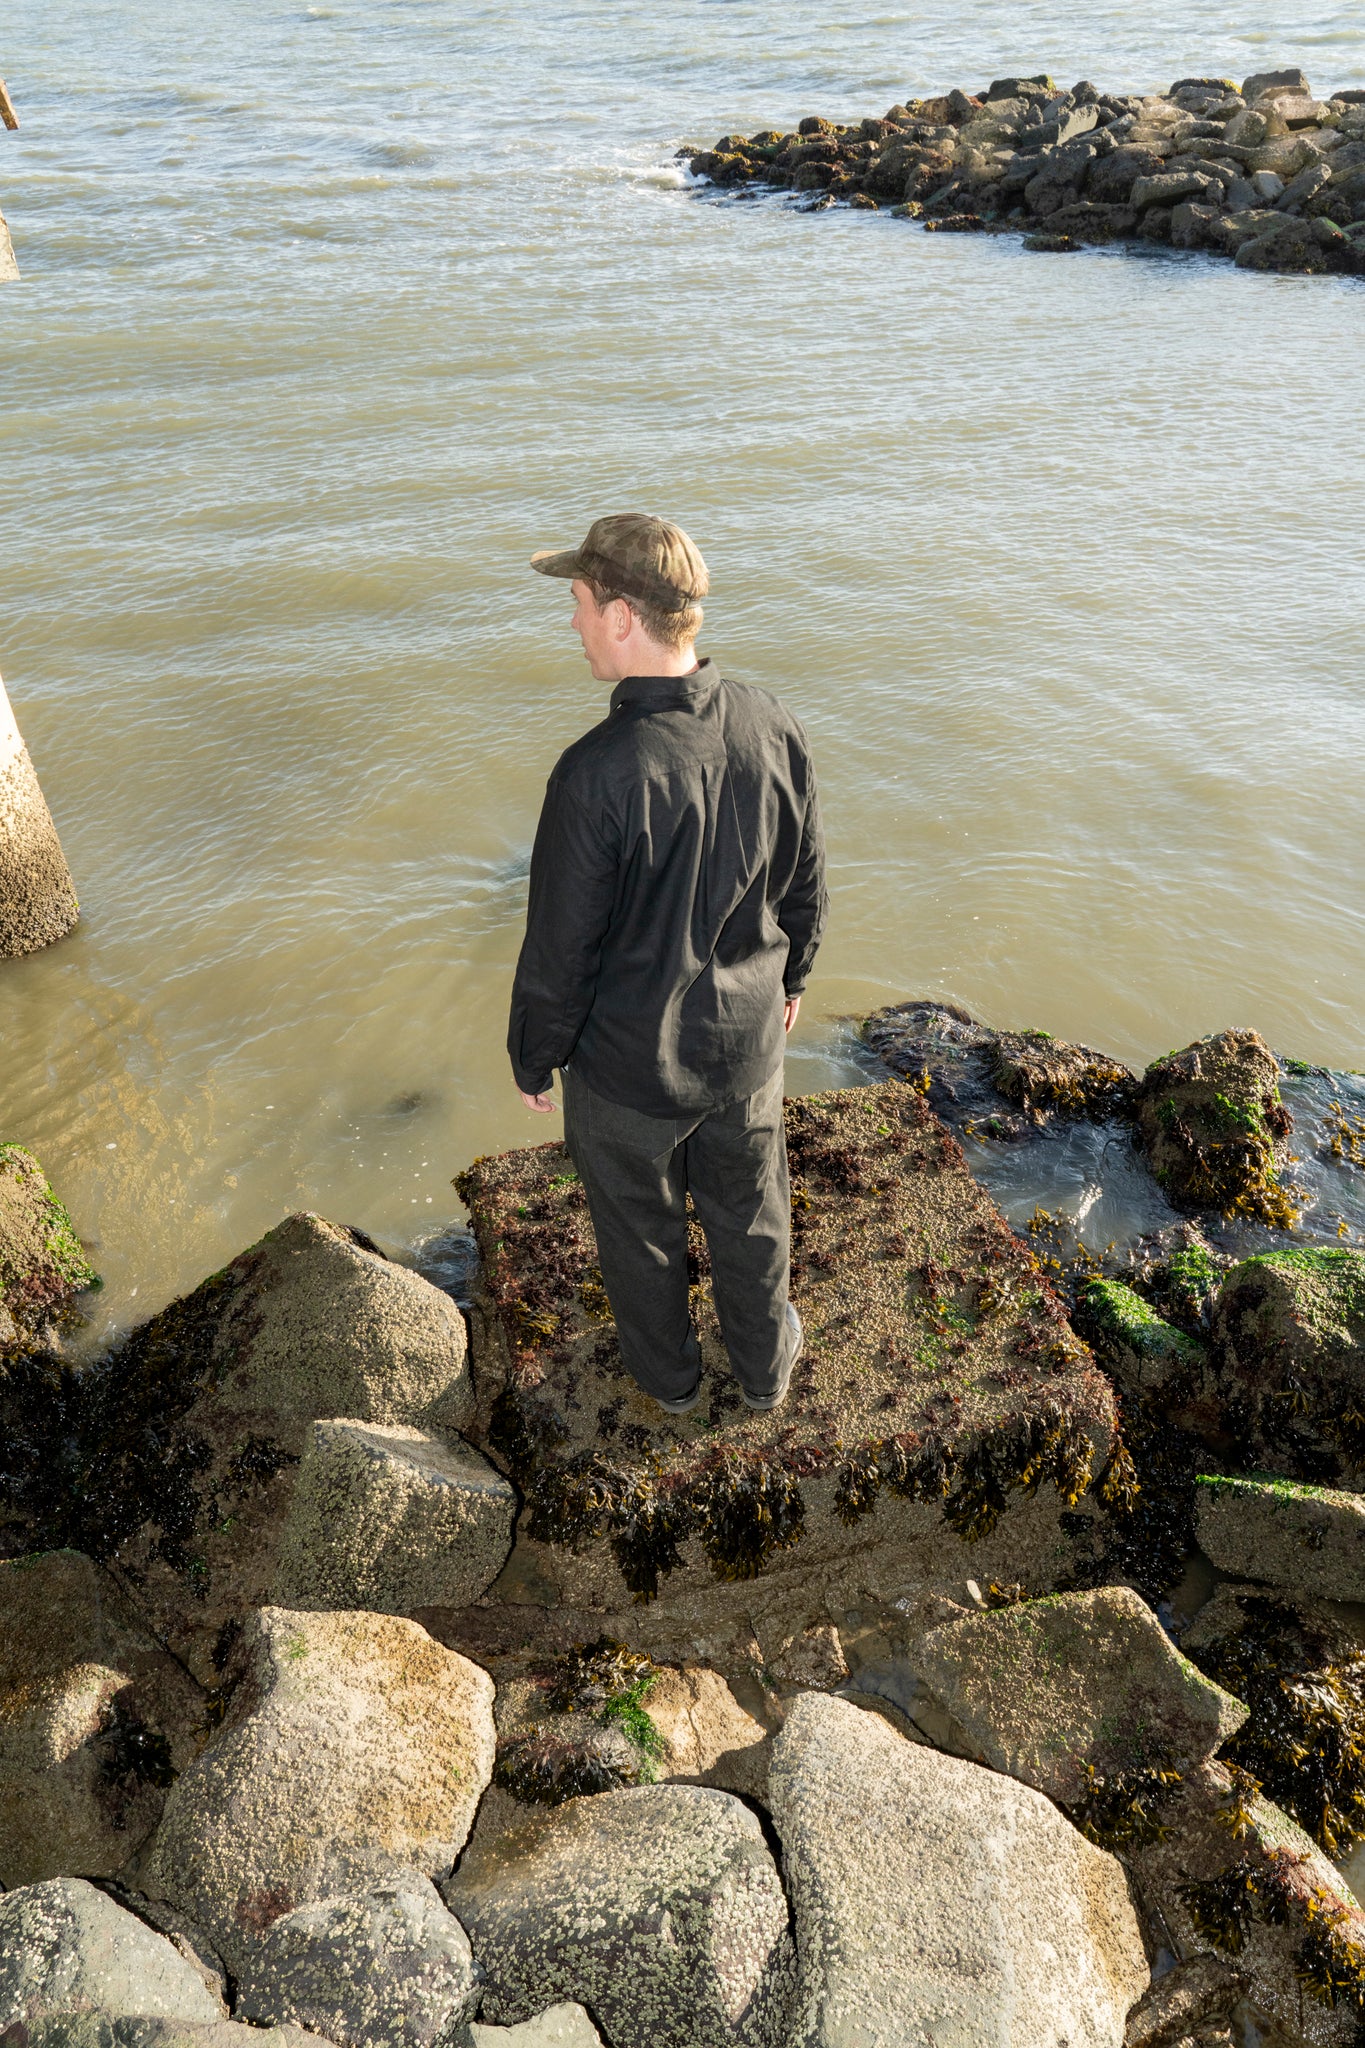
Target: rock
[
  {"x": 935, "y": 1901},
  {"x": 1192, "y": 227},
  {"x": 198, "y": 1420},
  {"x": 1046, "y": 1075},
  {"x": 1289, "y": 1358},
  {"x": 1186, "y": 1998},
  {"x": 1266, "y": 186},
  {"x": 390, "y": 1968},
  {"x": 1209, "y": 1119},
  {"x": 1086, "y": 221},
  {"x": 1262, "y": 82},
  {"x": 916, "y": 1297},
  {"x": 1058, "y": 180},
  {"x": 561, "y": 2026},
  {"x": 1297, "y": 110},
  {"x": 95, "y": 1719},
  {"x": 657, "y": 1907},
  {"x": 1144, "y": 1354},
  {"x": 66, "y": 1948},
  {"x": 577, "y": 1724},
  {"x": 9, "y": 267},
  {"x": 37, "y": 899},
  {"x": 1235, "y": 229},
  {"x": 1304, "y": 187},
  {"x": 355, "y": 1748},
  {"x": 1050, "y": 1690},
  {"x": 1168, "y": 188},
  {"x": 1308, "y": 1539},
  {"x": 1231, "y": 1872},
  {"x": 391, "y": 1519},
  {"x": 815, "y": 1657},
  {"x": 42, "y": 1264},
  {"x": 1111, "y": 178},
  {"x": 182, "y": 1934},
  {"x": 98, "y": 2030},
  {"x": 708, "y": 1737}
]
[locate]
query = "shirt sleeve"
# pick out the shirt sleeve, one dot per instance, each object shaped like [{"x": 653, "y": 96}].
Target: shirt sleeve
[
  {"x": 805, "y": 906},
  {"x": 573, "y": 888}
]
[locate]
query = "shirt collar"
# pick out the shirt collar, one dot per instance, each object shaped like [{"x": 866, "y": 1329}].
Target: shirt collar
[{"x": 657, "y": 693}]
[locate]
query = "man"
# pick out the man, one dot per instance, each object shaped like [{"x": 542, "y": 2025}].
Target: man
[{"x": 677, "y": 900}]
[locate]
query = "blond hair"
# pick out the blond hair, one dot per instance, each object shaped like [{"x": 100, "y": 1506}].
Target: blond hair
[{"x": 674, "y": 630}]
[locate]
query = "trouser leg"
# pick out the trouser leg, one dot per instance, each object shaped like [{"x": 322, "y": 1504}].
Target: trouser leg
[
  {"x": 632, "y": 1173},
  {"x": 736, "y": 1164}
]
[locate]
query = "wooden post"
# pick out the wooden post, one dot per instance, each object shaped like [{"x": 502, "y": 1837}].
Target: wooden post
[{"x": 7, "y": 113}]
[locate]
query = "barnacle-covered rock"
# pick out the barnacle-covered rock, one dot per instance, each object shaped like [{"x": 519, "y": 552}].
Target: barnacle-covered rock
[
  {"x": 1305, "y": 1539},
  {"x": 66, "y": 1948},
  {"x": 95, "y": 1720},
  {"x": 1289, "y": 1353},
  {"x": 172, "y": 1460},
  {"x": 1230, "y": 1874},
  {"x": 936, "y": 1901},
  {"x": 392, "y": 1519},
  {"x": 355, "y": 1749},
  {"x": 1209, "y": 1120},
  {"x": 942, "y": 1395},
  {"x": 1061, "y": 1690},
  {"x": 659, "y": 1908},
  {"x": 1140, "y": 1350},
  {"x": 565, "y": 2025}
]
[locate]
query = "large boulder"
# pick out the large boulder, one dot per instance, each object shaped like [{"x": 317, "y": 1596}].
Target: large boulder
[
  {"x": 942, "y": 1398},
  {"x": 37, "y": 899},
  {"x": 559, "y": 2026},
  {"x": 66, "y": 1948},
  {"x": 355, "y": 1749},
  {"x": 1209, "y": 1120},
  {"x": 1055, "y": 1690},
  {"x": 197, "y": 1422},
  {"x": 42, "y": 1262},
  {"x": 658, "y": 1907},
  {"x": 388, "y": 1968},
  {"x": 1289, "y": 1358},
  {"x": 1306, "y": 1539},
  {"x": 95, "y": 1719},
  {"x": 937, "y": 1902},
  {"x": 392, "y": 1519}
]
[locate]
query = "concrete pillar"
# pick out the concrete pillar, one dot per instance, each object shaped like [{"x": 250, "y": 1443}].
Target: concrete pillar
[
  {"x": 8, "y": 267},
  {"x": 37, "y": 899}
]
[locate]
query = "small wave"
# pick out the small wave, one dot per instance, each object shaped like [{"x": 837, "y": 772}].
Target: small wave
[{"x": 399, "y": 154}]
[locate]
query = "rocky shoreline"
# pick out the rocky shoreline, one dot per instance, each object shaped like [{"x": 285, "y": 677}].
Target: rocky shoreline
[
  {"x": 1268, "y": 174},
  {"x": 389, "y": 1676}
]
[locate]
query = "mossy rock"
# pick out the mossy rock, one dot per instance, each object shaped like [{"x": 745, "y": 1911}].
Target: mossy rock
[
  {"x": 42, "y": 1263},
  {"x": 1289, "y": 1358},
  {"x": 1144, "y": 1353},
  {"x": 1044, "y": 1074},
  {"x": 1209, "y": 1120},
  {"x": 941, "y": 1385}
]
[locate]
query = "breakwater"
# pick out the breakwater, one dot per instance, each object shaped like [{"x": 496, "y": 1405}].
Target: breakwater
[{"x": 1266, "y": 174}]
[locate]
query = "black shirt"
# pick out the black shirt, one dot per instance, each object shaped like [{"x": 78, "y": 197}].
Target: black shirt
[{"x": 677, "y": 895}]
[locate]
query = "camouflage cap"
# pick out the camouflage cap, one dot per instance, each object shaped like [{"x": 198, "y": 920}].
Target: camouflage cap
[{"x": 648, "y": 559}]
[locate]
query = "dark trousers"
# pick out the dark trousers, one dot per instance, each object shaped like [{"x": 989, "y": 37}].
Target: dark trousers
[{"x": 637, "y": 1172}]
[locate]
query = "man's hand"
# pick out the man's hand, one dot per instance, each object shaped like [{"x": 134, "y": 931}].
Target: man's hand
[
  {"x": 789, "y": 1010},
  {"x": 546, "y": 1103}
]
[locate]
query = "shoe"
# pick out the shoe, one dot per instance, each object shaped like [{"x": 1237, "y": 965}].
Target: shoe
[
  {"x": 685, "y": 1405},
  {"x": 763, "y": 1403}
]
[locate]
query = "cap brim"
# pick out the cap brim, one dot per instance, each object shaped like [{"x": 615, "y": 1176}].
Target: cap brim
[{"x": 551, "y": 563}]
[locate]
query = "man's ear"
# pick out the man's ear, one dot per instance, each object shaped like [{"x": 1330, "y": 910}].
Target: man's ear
[{"x": 624, "y": 620}]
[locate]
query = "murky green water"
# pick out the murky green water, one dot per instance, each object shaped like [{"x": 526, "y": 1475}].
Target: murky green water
[{"x": 331, "y": 314}]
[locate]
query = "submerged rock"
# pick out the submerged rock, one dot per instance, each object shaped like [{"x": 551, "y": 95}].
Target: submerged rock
[
  {"x": 659, "y": 1908},
  {"x": 1080, "y": 1686},
  {"x": 65, "y": 1948},
  {"x": 1306, "y": 1539},
  {"x": 95, "y": 1720},
  {"x": 392, "y": 1519},
  {"x": 938, "y": 1901},
  {"x": 389, "y": 1968},
  {"x": 355, "y": 1748},
  {"x": 941, "y": 1388},
  {"x": 1209, "y": 1120}
]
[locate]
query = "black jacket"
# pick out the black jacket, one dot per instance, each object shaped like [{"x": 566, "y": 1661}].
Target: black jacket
[{"x": 677, "y": 894}]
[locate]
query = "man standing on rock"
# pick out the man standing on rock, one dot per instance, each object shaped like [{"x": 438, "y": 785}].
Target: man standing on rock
[{"x": 677, "y": 901}]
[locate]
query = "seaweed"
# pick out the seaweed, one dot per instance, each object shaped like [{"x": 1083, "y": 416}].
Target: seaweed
[
  {"x": 545, "y": 1768},
  {"x": 1123, "y": 1809},
  {"x": 749, "y": 1508},
  {"x": 592, "y": 1674},
  {"x": 130, "y": 1754},
  {"x": 649, "y": 1528},
  {"x": 1329, "y": 1961}
]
